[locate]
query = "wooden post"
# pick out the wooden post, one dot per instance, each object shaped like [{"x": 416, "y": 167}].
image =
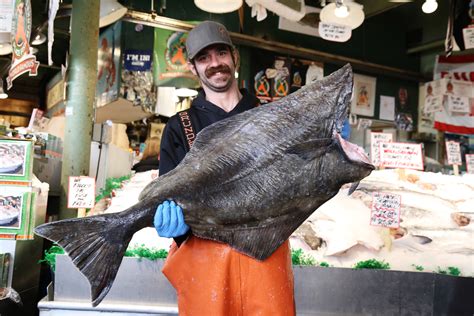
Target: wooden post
[
  {"x": 81, "y": 212},
  {"x": 456, "y": 170}
]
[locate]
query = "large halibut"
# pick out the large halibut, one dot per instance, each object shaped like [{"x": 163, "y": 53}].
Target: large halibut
[{"x": 249, "y": 181}]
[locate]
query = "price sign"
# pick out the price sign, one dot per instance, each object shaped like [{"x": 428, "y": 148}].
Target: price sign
[
  {"x": 401, "y": 155},
  {"x": 375, "y": 140},
  {"x": 470, "y": 163},
  {"x": 433, "y": 104},
  {"x": 453, "y": 151},
  {"x": 81, "y": 192},
  {"x": 468, "y": 34},
  {"x": 385, "y": 210},
  {"x": 458, "y": 104},
  {"x": 335, "y": 32}
]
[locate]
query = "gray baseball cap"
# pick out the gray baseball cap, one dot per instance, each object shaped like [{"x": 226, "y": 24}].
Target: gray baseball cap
[{"x": 205, "y": 34}]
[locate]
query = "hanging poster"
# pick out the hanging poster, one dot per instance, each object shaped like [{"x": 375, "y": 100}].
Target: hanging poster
[
  {"x": 169, "y": 55},
  {"x": 108, "y": 65},
  {"x": 453, "y": 69},
  {"x": 281, "y": 82},
  {"x": 23, "y": 60},
  {"x": 137, "y": 79},
  {"x": 387, "y": 108},
  {"x": 6, "y": 16},
  {"x": 363, "y": 102},
  {"x": 15, "y": 211}
]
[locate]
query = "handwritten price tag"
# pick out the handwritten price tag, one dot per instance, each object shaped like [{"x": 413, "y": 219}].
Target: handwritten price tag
[
  {"x": 334, "y": 32},
  {"x": 81, "y": 193},
  {"x": 401, "y": 155},
  {"x": 453, "y": 152},
  {"x": 470, "y": 163},
  {"x": 385, "y": 210},
  {"x": 375, "y": 140}
]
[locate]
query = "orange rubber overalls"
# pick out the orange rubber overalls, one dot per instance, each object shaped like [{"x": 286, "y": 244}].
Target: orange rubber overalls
[{"x": 211, "y": 278}]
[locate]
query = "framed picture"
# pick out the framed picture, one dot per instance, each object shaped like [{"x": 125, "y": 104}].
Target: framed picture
[
  {"x": 16, "y": 212},
  {"x": 16, "y": 159},
  {"x": 363, "y": 99}
]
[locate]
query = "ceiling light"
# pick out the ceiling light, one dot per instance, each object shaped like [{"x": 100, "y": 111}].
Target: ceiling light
[
  {"x": 110, "y": 11},
  {"x": 429, "y": 6},
  {"x": 341, "y": 10},
  {"x": 354, "y": 18},
  {"x": 38, "y": 39},
  {"x": 3, "y": 95},
  {"x": 218, "y": 6}
]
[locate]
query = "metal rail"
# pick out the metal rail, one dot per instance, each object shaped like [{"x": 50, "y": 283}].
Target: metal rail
[{"x": 154, "y": 20}]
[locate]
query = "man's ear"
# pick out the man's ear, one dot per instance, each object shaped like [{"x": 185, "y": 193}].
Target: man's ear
[
  {"x": 191, "y": 67},
  {"x": 236, "y": 55}
]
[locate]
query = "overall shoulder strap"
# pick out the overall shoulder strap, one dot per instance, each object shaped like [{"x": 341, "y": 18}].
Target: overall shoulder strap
[{"x": 188, "y": 129}]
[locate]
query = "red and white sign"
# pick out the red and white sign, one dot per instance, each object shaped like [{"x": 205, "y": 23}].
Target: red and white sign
[
  {"x": 456, "y": 68},
  {"x": 375, "y": 140},
  {"x": 470, "y": 163},
  {"x": 453, "y": 151},
  {"x": 81, "y": 192},
  {"x": 385, "y": 210},
  {"x": 401, "y": 155}
]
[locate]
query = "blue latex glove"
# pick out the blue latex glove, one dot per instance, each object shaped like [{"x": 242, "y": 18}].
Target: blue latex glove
[
  {"x": 169, "y": 220},
  {"x": 346, "y": 130}
]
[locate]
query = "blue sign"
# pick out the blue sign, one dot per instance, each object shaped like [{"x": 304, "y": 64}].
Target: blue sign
[{"x": 137, "y": 60}]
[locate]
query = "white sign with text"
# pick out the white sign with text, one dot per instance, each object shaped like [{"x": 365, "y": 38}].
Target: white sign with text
[
  {"x": 81, "y": 192},
  {"x": 453, "y": 151},
  {"x": 335, "y": 32},
  {"x": 385, "y": 210},
  {"x": 401, "y": 155},
  {"x": 470, "y": 163},
  {"x": 375, "y": 140}
]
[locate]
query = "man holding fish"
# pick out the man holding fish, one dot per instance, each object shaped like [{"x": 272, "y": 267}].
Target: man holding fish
[{"x": 210, "y": 277}]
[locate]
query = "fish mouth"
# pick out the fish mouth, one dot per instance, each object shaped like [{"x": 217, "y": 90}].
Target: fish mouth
[{"x": 354, "y": 152}]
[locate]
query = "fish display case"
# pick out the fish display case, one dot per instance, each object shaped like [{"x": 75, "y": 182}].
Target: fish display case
[{"x": 141, "y": 289}]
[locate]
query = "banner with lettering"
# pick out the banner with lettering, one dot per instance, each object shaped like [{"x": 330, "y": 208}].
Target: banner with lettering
[
  {"x": 455, "y": 70},
  {"x": 401, "y": 155},
  {"x": 169, "y": 54},
  {"x": 23, "y": 60}
]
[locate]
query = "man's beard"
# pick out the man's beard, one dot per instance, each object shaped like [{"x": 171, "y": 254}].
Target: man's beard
[{"x": 209, "y": 72}]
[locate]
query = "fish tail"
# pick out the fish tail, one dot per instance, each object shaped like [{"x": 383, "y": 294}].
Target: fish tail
[{"x": 95, "y": 244}]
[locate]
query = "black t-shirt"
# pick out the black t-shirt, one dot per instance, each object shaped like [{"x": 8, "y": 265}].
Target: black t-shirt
[{"x": 202, "y": 113}]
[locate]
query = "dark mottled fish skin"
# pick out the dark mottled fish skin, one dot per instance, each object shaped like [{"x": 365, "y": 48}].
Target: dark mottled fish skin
[{"x": 248, "y": 181}]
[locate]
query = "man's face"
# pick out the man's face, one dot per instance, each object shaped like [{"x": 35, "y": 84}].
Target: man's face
[{"x": 215, "y": 67}]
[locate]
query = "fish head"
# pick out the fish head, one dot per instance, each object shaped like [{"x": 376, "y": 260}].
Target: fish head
[{"x": 349, "y": 161}]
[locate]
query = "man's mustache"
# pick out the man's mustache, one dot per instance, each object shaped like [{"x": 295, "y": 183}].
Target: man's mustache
[{"x": 221, "y": 68}]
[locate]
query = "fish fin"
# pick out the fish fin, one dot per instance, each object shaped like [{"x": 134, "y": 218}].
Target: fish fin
[
  {"x": 353, "y": 187},
  {"x": 311, "y": 149},
  {"x": 96, "y": 246},
  {"x": 257, "y": 242}
]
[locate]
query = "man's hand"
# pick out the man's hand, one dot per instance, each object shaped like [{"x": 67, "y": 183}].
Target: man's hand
[{"x": 169, "y": 221}]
